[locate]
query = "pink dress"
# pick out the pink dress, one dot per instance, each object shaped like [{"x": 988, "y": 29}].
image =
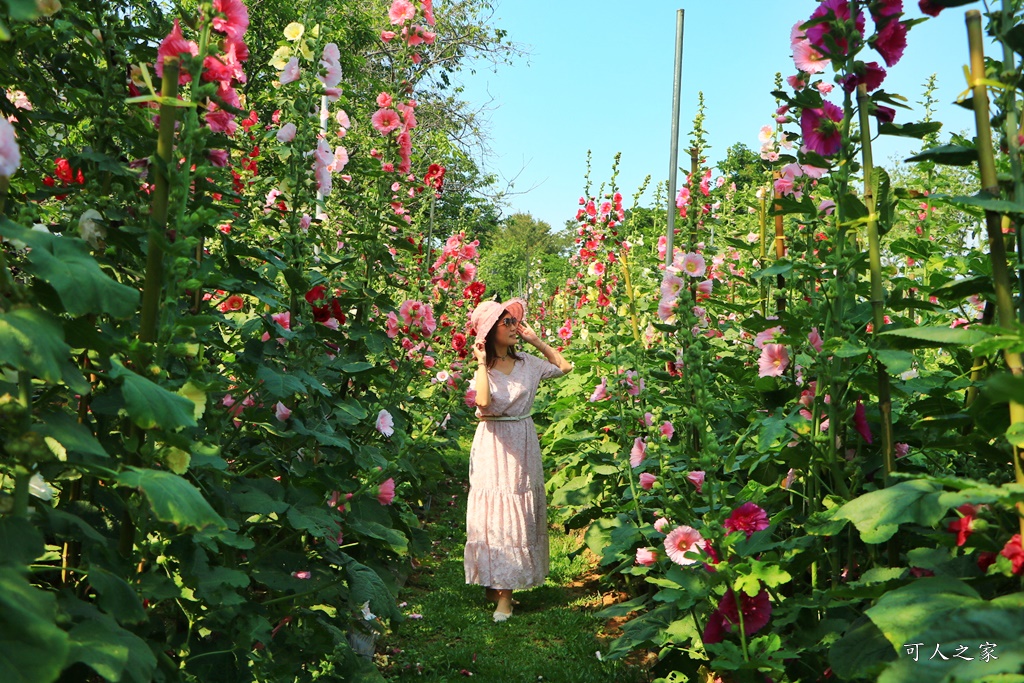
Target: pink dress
[{"x": 506, "y": 519}]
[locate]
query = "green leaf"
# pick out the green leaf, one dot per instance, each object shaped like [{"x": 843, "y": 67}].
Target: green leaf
[
  {"x": 950, "y": 155},
  {"x": 350, "y": 412},
  {"x": 780, "y": 267},
  {"x": 1015, "y": 434},
  {"x": 895, "y": 362},
  {"x": 369, "y": 528},
  {"x": 982, "y": 201},
  {"x": 958, "y": 290},
  {"x": 366, "y": 586},
  {"x": 32, "y": 340},
  {"x": 116, "y": 597},
  {"x": 172, "y": 498},
  {"x": 861, "y": 652},
  {"x": 904, "y": 613},
  {"x": 66, "y": 264},
  {"x": 878, "y": 514},
  {"x": 20, "y": 541},
  {"x": 149, "y": 404},
  {"x": 1003, "y": 386},
  {"x": 111, "y": 651},
  {"x": 353, "y": 368},
  {"x": 23, "y": 10},
  {"x": 910, "y": 130},
  {"x": 944, "y": 336},
  {"x": 578, "y": 491},
  {"x": 279, "y": 384},
  {"x": 70, "y": 433},
  {"x": 32, "y": 648}
]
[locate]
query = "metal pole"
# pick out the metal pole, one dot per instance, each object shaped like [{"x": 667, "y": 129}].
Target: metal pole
[
  {"x": 673, "y": 163},
  {"x": 321, "y": 214}
]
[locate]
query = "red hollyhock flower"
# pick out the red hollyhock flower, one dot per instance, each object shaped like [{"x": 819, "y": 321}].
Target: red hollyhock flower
[
  {"x": 838, "y": 12},
  {"x": 747, "y": 518},
  {"x": 986, "y": 560},
  {"x": 930, "y": 7},
  {"x": 232, "y": 303},
  {"x": 964, "y": 526},
  {"x": 316, "y": 294},
  {"x": 870, "y": 74},
  {"x": 860, "y": 422},
  {"x": 1013, "y": 551},
  {"x": 757, "y": 611},
  {"x": 891, "y": 41},
  {"x": 434, "y": 177},
  {"x": 458, "y": 341},
  {"x": 64, "y": 170}
]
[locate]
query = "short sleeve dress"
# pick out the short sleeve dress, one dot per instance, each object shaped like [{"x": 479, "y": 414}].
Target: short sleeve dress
[{"x": 506, "y": 518}]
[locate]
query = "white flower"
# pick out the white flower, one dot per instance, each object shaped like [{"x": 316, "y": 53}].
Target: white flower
[
  {"x": 89, "y": 230},
  {"x": 367, "y": 614},
  {"x": 38, "y": 487},
  {"x": 599, "y": 657}
]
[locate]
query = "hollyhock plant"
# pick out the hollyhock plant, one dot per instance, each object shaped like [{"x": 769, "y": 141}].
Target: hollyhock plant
[
  {"x": 693, "y": 265},
  {"x": 385, "y": 423},
  {"x": 820, "y": 129},
  {"x": 667, "y": 430},
  {"x": 175, "y": 45},
  {"x": 660, "y": 524},
  {"x": 806, "y": 58},
  {"x": 647, "y": 481},
  {"x": 773, "y": 361},
  {"x": 838, "y": 13},
  {"x": 757, "y": 612},
  {"x": 860, "y": 422},
  {"x": 290, "y": 73},
  {"x": 401, "y": 11},
  {"x": 637, "y": 453},
  {"x": 1013, "y": 552},
  {"x": 682, "y": 540},
  {"x": 891, "y": 41},
  {"x": 232, "y": 18},
  {"x": 747, "y": 518},
  {"x": 385, "y": 120},
  {"x": 286, "y": 133},
  {"x": 697, "y": 479},
  {"x": 964, "y": 526},
  {"x": 282, "y": 412},
  {"x": 646, "y": 556},
  {"x": 601, "y": 391},
  {"x": 386, "y": 492}
]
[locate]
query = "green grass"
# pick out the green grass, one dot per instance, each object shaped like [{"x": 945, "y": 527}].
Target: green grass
[{"x": 552, "y": 635}]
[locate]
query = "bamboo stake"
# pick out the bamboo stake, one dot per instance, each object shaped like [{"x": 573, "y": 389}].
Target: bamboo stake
[
  {"x": 673, "y": 162},
  {"x": 993, "y": 222}
]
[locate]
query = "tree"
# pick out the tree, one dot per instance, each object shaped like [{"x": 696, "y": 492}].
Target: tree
[{"x": 521, "y": 258}]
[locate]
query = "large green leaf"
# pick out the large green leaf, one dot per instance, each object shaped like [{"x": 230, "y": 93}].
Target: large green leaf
[
  {"x": 149, "y": 404},
  {"x": 20, "y": 541},
  {"x": 114, "y": 653},
  {"x": 862, "y": 651},
  {"x": 366, "y": 586},
  {"x": 32, "y": 648},
  {"x": 172, "y": 498},
  {"x": 878, "y": 514},
  {"x": 952, "y": 155},
  {"x": 66, "y": 264},
  {"x": 32, "y": 340},
  {"x": 946, "y": 336},
  {"x": 910, "y": 130},
  {"x": 71, "y": 434},
  {"x": 116, "y": 597},
  {"x": 904, "y": 613},
  {"x": 279, "y": 384}
]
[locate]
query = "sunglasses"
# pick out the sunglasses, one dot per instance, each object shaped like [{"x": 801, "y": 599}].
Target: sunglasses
[{"x": 509, "y": 321}]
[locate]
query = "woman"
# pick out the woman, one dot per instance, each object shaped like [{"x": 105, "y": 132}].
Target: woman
[{"x": 506, "y": 521}]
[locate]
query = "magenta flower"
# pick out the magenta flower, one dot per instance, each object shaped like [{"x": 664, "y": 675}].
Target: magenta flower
[
  {"x": 839, "y": 12},
  {"x": 235, "y": 21},
  {"x": 870, "y": 74},
  {"x": 901, "y": 449},
  {"x": 175, "y": 45},
  {"x": 282, "y": 412},
  {"x": 891, "y": 41},
  {"x": 10, "y": 153},
  {"x": 757, "y": 611},
  {"x": 646, "y": 556},
  {"x": 820, "y": 129},
  {"x": 386, "y": 492},
  {"x": 636, "y": 454},
  {"x": 682, "y": 540},
  {"x": 930, "y": 7},
  {"x": 647, "y": 481},
  {"x": 385, "y": 423},
  {"x": 860, "y": 422},
  {"x": 747, "y": 518},
  {"x": 601, "y": 392},
  {"x": 773, "y": 361},
  {"x": 697, "y": 479},
  {"x": 290, "y": 73},
  {"x": 667, "y": 430}
]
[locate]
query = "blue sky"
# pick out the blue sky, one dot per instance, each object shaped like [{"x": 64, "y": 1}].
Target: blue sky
[{"x": 599, "y": 77}]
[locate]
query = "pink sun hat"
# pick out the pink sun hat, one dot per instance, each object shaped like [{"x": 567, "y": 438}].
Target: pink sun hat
[{"x": 486, "y": 314}]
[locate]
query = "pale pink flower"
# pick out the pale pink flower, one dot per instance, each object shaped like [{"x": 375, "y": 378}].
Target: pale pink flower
[
  {"x": 290, "y": 73},
  {"x": 323, "y": 157},
  {"x": 666, "y": 308},
  {"x": 601, "y": 392},
  {"x": 704, "y": 288},
  {"x": 682, "y": 540},
  {"x": 693, "y": 265},
  {"x": 646, "y": 556},
  {"x": 283, "y": 319},
  {"x": 331, "y": 62},
  {"x": 768, "y": 336},
  {"x": 671, "y": 285},
  {"x": 386, "y": 492},
  {"x": 342, "y": 118},
  {"x": 814, "y": 339},
  {"x": 773, "y": 361},
  {"x": 385, "y": 120},
  {"x": 282, "y": 412},
  {"x": 807, "y": 59},
  {"x": 636, "y": 454},
  {"x": 648, "y": 419},
  {"x": 823, "y": 87},
  {"x": 10, "y": 153},
  {"x": 647, "y": 481},
  {"x": 302, "y": 575},
  {"x": 286, "y": 133},
  {"x": 387, "y": 36},
  {"x": 696, "y": 478},
  {"x": 667, "y": 430},
  {"x": 401, "y": 11},
  {"x": 385, "y": 423},
  {"x": 305, "y": 222},
  {"x": 660, "y": 524}
]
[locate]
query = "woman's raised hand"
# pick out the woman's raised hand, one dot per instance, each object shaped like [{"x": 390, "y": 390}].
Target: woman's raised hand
[
  {"x": 527, "y": 333},
  {"x": 479, "y": 353}
]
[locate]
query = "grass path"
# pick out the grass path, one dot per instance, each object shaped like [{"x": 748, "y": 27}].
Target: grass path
[{"x": 552, "y": 635}]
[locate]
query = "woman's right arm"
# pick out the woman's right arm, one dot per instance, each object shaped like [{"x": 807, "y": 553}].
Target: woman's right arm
[{"x": 483, "y": 387}]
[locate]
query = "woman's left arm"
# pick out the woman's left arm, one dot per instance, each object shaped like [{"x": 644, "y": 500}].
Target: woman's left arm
[{"x": 553, "y": 356}]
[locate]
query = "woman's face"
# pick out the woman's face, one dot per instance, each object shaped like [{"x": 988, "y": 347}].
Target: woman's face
[{"x": 507, "y": 329}]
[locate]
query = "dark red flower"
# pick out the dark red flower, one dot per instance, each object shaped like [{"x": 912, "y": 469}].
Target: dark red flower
[
  {"x": 838, "y": 12},
  {"x": 317, "y": 293},
  {"x": 434, "y": 177},
  {"x": 964, "y": 526},
  {"x": 1013, "y": 551},
  {"x": 985, "y": 560},
  {"x": 930, "y": 7},
  {"x": 884, "y": 114},
  {"x": 757, "y": 611},
  {"x": 458, "y": 341},
  {"x": 860, "y": 422},
  {"x": 870, "y": 74},
  {"x": 64, "y": 170},
  {"x": 747, "y": 518}
]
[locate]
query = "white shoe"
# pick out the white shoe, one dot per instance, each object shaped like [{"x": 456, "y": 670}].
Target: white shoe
[{"x": 501, "y": 616}]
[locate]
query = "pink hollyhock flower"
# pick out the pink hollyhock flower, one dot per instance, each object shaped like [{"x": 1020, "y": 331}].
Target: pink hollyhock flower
[
  {"x": 824, "y": 88},
  {"x": 392, "y": 325},
  {"x": 218, "y": 157},
  {"x": 470, "y": 399},
  {"x": 891, "y": 41},
  {"x": 747, "y": 518},
  {"x": 647, "y": 419},
  {"x": 401, "y": 11},
  {"x": 290, "y": 73},
  {"x": 697, "y": 479},
  {"x": 820, "y": 129},
  {"x": 283, "y": 319},
  {"x": 647, "y": 481},
  {"x": 235, "y": 21},
  {"x": 331, "y": 62},
  {"x": 302, "y": 575},
  {"x": 385, "y": 423},
  {"x": 323, "y": 157},
  {"x": 387, "y": 36},
  {"x": 693, "y": 265},
  {"x": 870, "y": 74},
  {"x": 815, "y": 340},
  {"x": 667, "y": 430},
  {"x": 860, "y": 422},
  {"x": 839, "y": 11},
  {"x": 806, "y": 58},
  {"x": 564, "y": 333},
  {"x": 901, "y": 449},
  {"x": 964, "y": 526},
  {"x": 286, "y": 133},
  {"x": 384, "y": 100},
  {"x": 682, "y": 540},
  {"x": 281, "y": 412},
  {"x": 666, "y": 308},
  {"x": 385, "y": 120},
  {"x": 773, "y": 361},
  {"x": 636, "y": 454},
  {"x": 646, "y": 556},
  {"x": 1013, "y": 552},
  {"x": 757, "y": 612},
  {"x": 342, "y": 118},
  {"x": 704, "y": 288},
  {"x": 175, "y": 45},
  {"x": 827, "y": 206},
  {"x": 386, "y": 492},
  {"x": 10, "y": 153},
  {"x": 601, "y": 392},
  {"x": 340, "y": 160},
  {"x": 671, "y": 285},
  {"x": 660, "y": 524}
]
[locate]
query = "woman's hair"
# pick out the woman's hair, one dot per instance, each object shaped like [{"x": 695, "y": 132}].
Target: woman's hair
[{"x": 489, "y": 346}]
